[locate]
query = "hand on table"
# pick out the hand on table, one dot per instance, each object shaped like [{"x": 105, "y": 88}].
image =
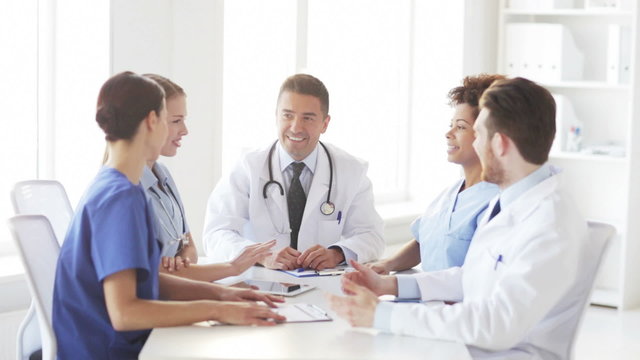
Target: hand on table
[
  {"x": 318, "y": 257},
  {"x": 358, "y": 307}
]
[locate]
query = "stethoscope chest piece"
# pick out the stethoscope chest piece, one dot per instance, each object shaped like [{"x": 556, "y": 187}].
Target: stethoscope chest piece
[{"x": 327, "y": 208}]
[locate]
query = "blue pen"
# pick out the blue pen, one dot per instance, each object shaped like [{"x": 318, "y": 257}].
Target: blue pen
[
  {"x": 339, "y": 217},
  {"x": 299, "y": 269},
  {"x": 498, "y": 260}
]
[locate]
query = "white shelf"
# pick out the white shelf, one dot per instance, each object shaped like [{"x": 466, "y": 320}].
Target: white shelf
[
  {"x": 588, "y": 85},
  {"x": 605, "y": 297},
  {"x": 569, "y": 12},
  {"x": 567, "y": 155},
  {"x": 608, "y": 111}
]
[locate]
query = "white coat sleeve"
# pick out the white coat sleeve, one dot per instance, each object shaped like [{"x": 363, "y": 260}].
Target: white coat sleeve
[
  {"x": 362, "y": 232},
  {"x": 227, "y": 214},
  {"x": 533, "y": 282}
]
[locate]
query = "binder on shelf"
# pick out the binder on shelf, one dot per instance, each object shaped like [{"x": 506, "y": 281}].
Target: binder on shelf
[
  {"x": 542, "y": 52},
  {"x": 540, "y": 4},
  {"x": 619, "y": 54}
]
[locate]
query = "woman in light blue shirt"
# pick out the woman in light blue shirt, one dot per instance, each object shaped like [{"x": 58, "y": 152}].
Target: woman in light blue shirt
[
  {"x": 443, "y": 233},
  {"x": 179, "y": 254}
]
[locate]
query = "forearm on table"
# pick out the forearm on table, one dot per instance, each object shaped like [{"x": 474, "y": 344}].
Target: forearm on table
[
  {"x": 209, "y": 272},
  {"x": 138, "y": 314},
  {"x": 180, "y": 288},
  {"x": 406, "y": 258}
]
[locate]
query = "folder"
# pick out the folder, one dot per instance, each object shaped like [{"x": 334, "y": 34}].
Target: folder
[
  {"x": 619, "y": 54},
  {"x": 310, "y": 272}
]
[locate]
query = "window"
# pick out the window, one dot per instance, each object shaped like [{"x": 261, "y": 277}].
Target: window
[
  {"x": 19, "y": 94},
  {"x": 50, "y": 85},
  {"x": 360, "y": 49}
]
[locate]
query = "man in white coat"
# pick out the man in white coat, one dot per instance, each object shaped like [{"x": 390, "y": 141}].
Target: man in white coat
[
  {"x": 313, "y": 198},
  {"x": 521, "y": 289}
]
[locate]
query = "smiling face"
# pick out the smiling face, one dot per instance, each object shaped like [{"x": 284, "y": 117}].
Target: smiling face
[
  {"x": 300, "y": 122},
  {"x": 460, "y": 136},
  {"x": 176, "y": 114}
]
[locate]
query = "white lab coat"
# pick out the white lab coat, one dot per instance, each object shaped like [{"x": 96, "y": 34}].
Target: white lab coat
[
  {"x": 524, "y": 306},
  {"x": 238, "y": 215}
]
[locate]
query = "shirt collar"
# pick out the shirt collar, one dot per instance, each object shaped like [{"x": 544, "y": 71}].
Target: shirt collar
[
  {"x": 286, "y": 159},
  {"x": 150, "y": 180},
  {"x": 511, "y": 193}
]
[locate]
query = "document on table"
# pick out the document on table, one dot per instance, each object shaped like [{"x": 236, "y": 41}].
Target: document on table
[
  {"x": 310, "y": 272},
  {"x": 295, "y": 313},
  {"x": 302, "y": 313}
]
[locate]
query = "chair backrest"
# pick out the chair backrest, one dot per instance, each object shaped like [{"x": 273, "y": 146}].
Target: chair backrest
[
  {"x": 44, "y": 197},
  {"x": 39, "y": 252},
  {"x": 599, "y": 235}
]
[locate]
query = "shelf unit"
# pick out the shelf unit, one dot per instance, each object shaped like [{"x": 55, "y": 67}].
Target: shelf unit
[{"x": 605, "y": 187}]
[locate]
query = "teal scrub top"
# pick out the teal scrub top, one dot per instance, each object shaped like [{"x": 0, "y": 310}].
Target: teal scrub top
[{"x": 445, "y": 229}]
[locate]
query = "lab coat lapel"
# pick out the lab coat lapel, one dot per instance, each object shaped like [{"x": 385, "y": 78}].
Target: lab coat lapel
[
  {"x": 520, "y": 208},
  {"x": 273, "y": 191}
]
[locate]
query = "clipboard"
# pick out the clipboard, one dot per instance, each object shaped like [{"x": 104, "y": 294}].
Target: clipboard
[
  {"x": 310, "y": 272},
  {"x": 302, "y": 312}
]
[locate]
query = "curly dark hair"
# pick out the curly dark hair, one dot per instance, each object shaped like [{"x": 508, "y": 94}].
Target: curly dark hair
[{"x": 471, "y": 90}]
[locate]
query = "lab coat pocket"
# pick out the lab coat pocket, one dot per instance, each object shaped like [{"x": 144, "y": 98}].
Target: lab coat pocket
[{"x": 329, "y": 232}]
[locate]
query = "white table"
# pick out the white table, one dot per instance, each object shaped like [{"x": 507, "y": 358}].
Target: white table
[{"x": 318, "y": 340}]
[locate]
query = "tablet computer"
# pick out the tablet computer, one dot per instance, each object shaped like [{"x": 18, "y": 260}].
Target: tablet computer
[{"x": 278, "y": 288}]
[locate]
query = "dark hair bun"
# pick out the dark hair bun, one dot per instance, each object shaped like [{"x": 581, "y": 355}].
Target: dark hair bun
[{"x": 124, "y": 101}]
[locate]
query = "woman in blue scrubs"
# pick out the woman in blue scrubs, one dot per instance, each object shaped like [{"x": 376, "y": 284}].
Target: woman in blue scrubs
[
  {"x": 107, "y": 283},
  {"x": 179, "y": 254},
  {"x": 443, "y": 233}
]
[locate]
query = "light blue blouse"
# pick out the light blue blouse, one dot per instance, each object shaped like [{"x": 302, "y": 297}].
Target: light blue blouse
[
  {"x": 445, "y": 229},
  {"x": 171, "y": 222}
]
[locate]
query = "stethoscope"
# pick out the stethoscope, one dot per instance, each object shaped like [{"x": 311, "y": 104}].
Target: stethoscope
[
  {"x": 176, "y": 237},
  {"x": 327, "y": 207}
]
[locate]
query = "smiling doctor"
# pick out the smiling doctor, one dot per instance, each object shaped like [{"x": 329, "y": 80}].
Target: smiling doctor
[{"x": 314, "y": 199}]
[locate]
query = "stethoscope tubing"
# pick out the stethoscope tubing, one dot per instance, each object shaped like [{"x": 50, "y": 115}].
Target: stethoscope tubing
[{"x": 272, "y": 181}]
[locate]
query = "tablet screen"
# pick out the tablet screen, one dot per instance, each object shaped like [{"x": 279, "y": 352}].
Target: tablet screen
[{"x": 279, "y": 288}]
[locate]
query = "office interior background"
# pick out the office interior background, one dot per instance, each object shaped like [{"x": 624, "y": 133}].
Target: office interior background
[{"x": 388, "y": 65}]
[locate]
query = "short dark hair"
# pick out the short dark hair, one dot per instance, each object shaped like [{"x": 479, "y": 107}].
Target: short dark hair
[
  {"x": 124, "y": 101},
  {"x": 170, "y": 88},
  {"x": 525, "y": 112},
  {"x": 471, "y": 90},
  {"x": 307, "y": 85}
]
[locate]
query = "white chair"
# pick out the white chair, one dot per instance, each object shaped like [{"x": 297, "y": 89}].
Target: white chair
[
  {"x": 599, "y": 236},
  {"x": 44, "y": 197},
  {"x": 48, "y": 198},
  {"x": 39, "y": 250}
]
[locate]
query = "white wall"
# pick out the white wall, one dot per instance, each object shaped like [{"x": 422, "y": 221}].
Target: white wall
[{"x": 181, "y": 40}]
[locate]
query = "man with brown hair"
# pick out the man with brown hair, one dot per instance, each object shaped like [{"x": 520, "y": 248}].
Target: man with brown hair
[
  {"x": 521, "y": 289},
  {"x": 314, "y": 199}
]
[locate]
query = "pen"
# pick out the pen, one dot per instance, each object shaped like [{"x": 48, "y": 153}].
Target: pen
[
  {"x": 339, "y": 217},
  {"x": 499, "y": 259},
  {"x": 299, "y": 270}
]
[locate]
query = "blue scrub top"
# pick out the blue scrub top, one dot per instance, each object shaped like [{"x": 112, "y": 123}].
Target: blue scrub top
[
  {"x": 445, "y": 229},
  {"x": 111, "y": 231}
]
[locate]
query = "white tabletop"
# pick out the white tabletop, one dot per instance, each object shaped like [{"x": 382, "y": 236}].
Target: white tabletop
[{"x": 318, "y": 340}]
